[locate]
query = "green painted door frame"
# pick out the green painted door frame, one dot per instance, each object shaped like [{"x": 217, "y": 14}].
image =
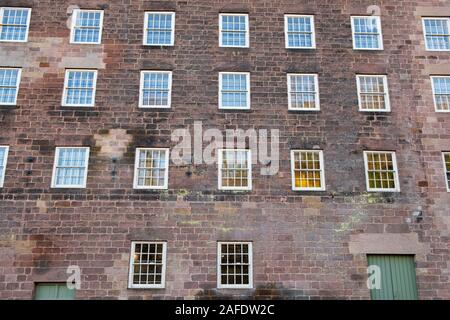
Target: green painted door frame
[{"x": 398, "y": 277}]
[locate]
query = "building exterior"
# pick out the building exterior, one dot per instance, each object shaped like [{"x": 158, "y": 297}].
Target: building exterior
[{"x": 90, "y": 101}]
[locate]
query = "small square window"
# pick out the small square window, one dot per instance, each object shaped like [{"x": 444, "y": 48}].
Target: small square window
[
  {"x": 156, "y": 87},
  {"x": 151, "y": 168},
  {"x": 437, "y": 34},
  {"x": 79, "y": 88},
  {"x": 234, "y": 265},
  {"x": 14, "y": 24},
  {"x": 9, "y": 85},
  {"x": 303, "y": 92},
  {"x": 159, "y": 29},
  {"x": 86, "y": 26},
  {"x": 381, "y": 171},
  {"x": 307, "y": 170},
  {"x": 441, "y": 93},
  {"x": 70, "y": 168},
  {"x": 234, "y": 90},
  {"x": 299, "y": 32},
  {"x": 446, "y": 157},
  {"x": 147, "y": 265},
  {"x": 367, "y": 33},
  {"x": 235, "y": 169},
  {"x": 3, "y": 159},
  {"x": 373, "y": 93},
  {"x": 234, "y": 31}
]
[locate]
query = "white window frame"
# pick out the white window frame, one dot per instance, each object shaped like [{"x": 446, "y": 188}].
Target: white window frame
[
  {"x": 55, "y": 163},
  {"x": 286, "y": 33},
  {"x": 141, "y": 90},
  {"x": 19, "y": 78},
  {"x": 434, "y": 94},
  {"x": 74, "y": 20},
  {"x": 249, "y": 174},
  {"x": 381, "y": 41},
  {"x": 66, "y": 83},
  {"x": 250, "y": 266},
  {"x": 131, "y": 285},
  {"x": 396, "y": 175},
  {"x": 427, "y": 48},
  {"x": 247, "y": 30},
  {"x": 386, "y": 89},
  {"x": 136, "y": 166},
  {"x": 447, "y": 183},
  {"x": 322, "y": 171},
  {"x": 5, "y": 161},
  {"x": 28, "y": 22},
  {"x": 172, "y": 36},
  {"x": 317, "y": 95},
  {"x": 248, "y": 106}
]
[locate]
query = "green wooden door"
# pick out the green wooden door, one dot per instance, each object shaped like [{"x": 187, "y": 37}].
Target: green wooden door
[
  {"x": 398, "y": 277},
  {"x": 53, "y": 291}
]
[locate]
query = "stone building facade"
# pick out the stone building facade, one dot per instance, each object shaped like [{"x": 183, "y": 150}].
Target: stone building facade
[{"x": 305, "y": 244}]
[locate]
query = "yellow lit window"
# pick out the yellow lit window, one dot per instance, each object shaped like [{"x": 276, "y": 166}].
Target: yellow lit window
[{"x": 307, "y": 170}]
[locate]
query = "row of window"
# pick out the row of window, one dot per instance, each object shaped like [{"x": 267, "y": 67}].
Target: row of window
[
  {"x": 234, "y": 169},
  {"x": 234, "y": 90},
  {"x": 159, "y": 29},
  {"x": 148, "y": 265}
]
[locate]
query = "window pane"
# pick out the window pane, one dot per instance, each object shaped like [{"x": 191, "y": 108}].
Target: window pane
[
  {"x": 299, "y": 32},
  {"x": 160, "y": 28},
  {"x": 441, "y": 86},
  {"x": 87, "y": 28},
  {"x": 381, "y": 172},
  {"x": 235, "y": 268},
  {"x": 152, "y": 167},
  {"x": 80, "y": 88},
  {"x": 303, "y": 92},
  {"x": 366, "y": 33},
  {"x": 9, "y": 82},
  {"x": 148, "y": 265},
  {"x": 373, "y": 93},
  {"x": 156, "y": 89},
  {"x": 70, "y": 167},
  {"x": 234, "y": 91},
  {"x": 235, "y": 169},
  {"x": 437, "y": 34},
  {"x": 234, "y": 30},
  {"x": 13, "y": 26},
  {"x": 307, "y": 170}
]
